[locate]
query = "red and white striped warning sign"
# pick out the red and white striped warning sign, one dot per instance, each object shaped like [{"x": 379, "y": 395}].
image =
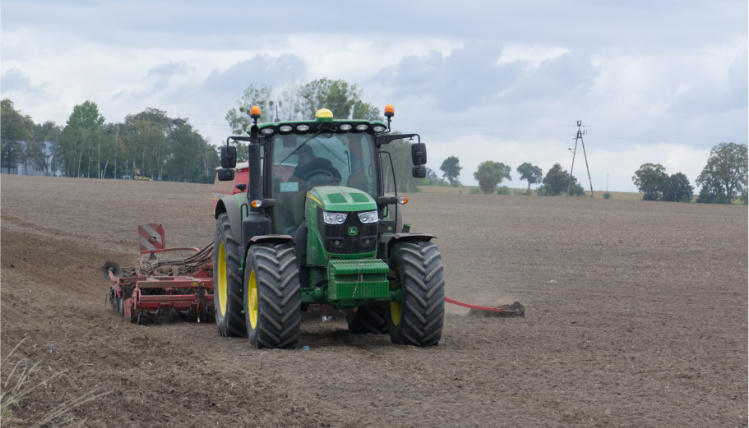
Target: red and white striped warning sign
[{"x": 151, "y": 237}]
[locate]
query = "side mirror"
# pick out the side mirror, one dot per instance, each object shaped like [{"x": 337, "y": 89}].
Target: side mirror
[
  {"x": 228, "y": 157},
  {"x": 225, "y": 174},
  {"x": 419, "y": 171},
  {"x": 419, "y": 153}
]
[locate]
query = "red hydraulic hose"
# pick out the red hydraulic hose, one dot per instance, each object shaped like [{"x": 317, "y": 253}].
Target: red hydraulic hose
[{"x": 466, "y": 305}]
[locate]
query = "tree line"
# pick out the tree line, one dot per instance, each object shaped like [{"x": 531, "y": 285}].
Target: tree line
[
  {"x": 723, "y": 179},
  {"x": 147, "y": 144},
  {"x": 490, "y": 175},
  {"x": 153, "y": 145}
]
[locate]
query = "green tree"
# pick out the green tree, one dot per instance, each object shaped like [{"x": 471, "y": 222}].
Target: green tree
[
  {"x": 34, "y": 150},
  {"x": 400, "y": 153},
  {"x": 52, "y": 134},
  {"x": 147, "y": 137},
  {"x": 652, "y": 181},
  {"x": 531, "y": 173},
  {"x": 301, "y": 102},
  {"x": 142, "y": 136},
  {"x": 336, "y": 95},
  {"x": 725, "y": 172},
  {"x": 366, "y": 111},
  {"x": 150, "y": 142},
  {"x": 712, "y": 193},
  {"x": 13, "y": 132},
  {"x": 489, "y": 174},
  {"x": 189, "y": 150},
  {"x": 679, "y": 189},
  {"x": 451, "y": 170},
  {"x": 558, "y": 180},
  {"x": 40, "y": 135},
  {"x": 82, "y": 129},
  {"x": 239, "y": 117}
]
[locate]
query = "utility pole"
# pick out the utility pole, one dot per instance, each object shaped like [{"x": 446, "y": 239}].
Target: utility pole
[{"x": 579, "y": 136}]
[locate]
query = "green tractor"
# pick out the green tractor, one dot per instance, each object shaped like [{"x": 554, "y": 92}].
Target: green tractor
[{"x": 308, "y": 221}]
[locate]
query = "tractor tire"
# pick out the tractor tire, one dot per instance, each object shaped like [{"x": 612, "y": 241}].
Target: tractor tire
[
  {"x": 273, "y": 303},
  {"x": 367, "y": 319},
  {"x": 227, "y": 280},
  {"x": 418, "y": 318}
]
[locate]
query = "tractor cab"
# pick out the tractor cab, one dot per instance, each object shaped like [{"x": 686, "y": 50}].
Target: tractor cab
[
  {"x": 301, "y": 156},
  {"x": 300, "y": 163}
]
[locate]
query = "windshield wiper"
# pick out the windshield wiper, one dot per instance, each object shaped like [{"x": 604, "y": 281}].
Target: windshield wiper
[
  {"x": 302, "y": 145},
  {"x": 322, "y": 128}
]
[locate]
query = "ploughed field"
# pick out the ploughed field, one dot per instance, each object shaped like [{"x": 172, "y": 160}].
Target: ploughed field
[{"x": 636, "y": 315}]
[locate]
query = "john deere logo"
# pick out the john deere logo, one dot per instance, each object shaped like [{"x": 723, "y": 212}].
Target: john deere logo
[{"x": 352, "y": 231}]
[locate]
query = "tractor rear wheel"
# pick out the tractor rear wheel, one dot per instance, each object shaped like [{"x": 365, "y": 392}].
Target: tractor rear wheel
[
  {"x": 367, "y": 319},
  {"x": 273, "y": 302},
  {"x": 418, "y": 318},
  {"x": 227, "y": 280}
]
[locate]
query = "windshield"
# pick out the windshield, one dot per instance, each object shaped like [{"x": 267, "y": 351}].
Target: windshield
[{"x": 303, "y": 161}]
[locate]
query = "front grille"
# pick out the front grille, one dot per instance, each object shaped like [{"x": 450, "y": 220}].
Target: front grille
[{"x": 337, "y": 239}]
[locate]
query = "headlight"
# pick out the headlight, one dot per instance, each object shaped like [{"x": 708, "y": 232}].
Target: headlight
[
  {"x": 369, "y": 217},
  {"x": 285, "y": 128},
  {"x": 268, "y": 131},
  {"x": 333, "y": 218},
  {"x": 346, "y": 127},
  {"x": 362, "y": 127},
  {"x": 302, "y": 128},
  {"x": 378, "y": 128}
]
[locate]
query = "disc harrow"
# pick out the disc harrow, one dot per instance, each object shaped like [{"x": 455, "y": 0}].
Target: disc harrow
[{"x": 163, "y": 290}]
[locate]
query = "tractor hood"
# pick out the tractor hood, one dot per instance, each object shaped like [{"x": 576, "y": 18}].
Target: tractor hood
[{"x": 342, "y": 199}]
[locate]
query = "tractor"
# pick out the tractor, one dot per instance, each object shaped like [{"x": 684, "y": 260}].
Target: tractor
[{"x": 309, "y": 222}]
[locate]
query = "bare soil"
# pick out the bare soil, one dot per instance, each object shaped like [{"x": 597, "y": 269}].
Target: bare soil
[{"x": 636, "y": 316}]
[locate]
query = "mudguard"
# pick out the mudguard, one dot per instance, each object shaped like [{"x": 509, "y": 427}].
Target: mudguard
[
  {"x": 231, "y": 207},
  {"x": 278, "y": 239},
  {"x": 405, "y": 237}
]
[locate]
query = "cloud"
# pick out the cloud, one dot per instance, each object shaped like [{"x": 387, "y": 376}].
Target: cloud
[
  {"x": 161, "y": 74},
  {"x": 14, "y": 80},
  {"x": 455, "y": 82},
  {"x": 16, "y": 84},
  {"x": 260, "y": 70},
  {"x": 714, "y": 91},
  {"x": 533, "y": 54}
]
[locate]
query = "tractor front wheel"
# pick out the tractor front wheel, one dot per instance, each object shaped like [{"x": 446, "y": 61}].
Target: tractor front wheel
[
  {"x": 417, "y": 319},
  {"x": 273, "y": 302},
  {"x": 227, "y": 280}
]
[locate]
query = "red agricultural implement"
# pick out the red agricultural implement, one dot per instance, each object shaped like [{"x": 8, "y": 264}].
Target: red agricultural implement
[{"x": 173, "y": 288}]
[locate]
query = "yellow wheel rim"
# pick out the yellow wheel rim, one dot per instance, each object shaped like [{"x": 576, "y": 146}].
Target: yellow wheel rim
[
  {"x": 252, "y": 300},
  {"x": 221, "y": 279},
  {"x": 395, "y": 312}
]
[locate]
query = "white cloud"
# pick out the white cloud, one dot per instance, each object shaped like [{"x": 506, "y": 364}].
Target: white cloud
[{"x": 533, "y": 54}]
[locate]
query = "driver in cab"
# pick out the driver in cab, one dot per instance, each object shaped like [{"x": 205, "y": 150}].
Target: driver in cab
[{"x": 311, "y": 166}]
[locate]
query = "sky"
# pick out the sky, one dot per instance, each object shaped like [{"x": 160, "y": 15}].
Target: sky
[{"x": 660, "y": 82}]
